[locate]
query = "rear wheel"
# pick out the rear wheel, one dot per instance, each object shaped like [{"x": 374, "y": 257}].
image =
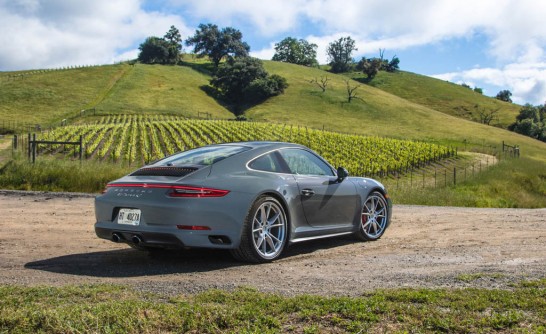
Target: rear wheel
[
  {"x": 374, "y": 217},
  {"x": 264, "y": 233}
]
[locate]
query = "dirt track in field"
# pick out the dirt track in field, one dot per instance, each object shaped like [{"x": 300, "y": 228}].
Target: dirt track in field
[{"x": 48, "y": 239}]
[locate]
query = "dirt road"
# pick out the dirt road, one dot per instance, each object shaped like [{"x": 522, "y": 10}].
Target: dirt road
[{"x": 48, "y": 239}]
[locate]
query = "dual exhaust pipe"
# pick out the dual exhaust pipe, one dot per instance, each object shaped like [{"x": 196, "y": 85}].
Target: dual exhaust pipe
[{"x": 118, "y": 237}]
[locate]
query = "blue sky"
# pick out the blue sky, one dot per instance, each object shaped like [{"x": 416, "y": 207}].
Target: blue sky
[{"x": 491, "y": 44}]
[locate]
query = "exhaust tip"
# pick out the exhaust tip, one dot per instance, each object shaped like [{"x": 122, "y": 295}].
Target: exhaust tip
[
  {"x": 136, "y": 239},
  {"x": 116, "y": 237}
]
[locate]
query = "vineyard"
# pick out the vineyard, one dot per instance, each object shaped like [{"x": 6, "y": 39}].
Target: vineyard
[{"x": 140, "y": 139}]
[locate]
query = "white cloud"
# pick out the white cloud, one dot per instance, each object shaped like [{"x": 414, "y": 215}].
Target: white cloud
[
  {"x": 55, "y": 33},
  {"x": 269, "y": 17},
  {"x": 265, "y": 53},
  {"x": 526, "y": 81}
]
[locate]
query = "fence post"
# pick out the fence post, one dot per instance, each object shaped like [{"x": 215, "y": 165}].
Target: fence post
[
  {"x": 33, "y": 148},
  {"x": 454, "y": 176},
  {"x": 81, "y": 147},
  {"x": 29, "y": 146}
]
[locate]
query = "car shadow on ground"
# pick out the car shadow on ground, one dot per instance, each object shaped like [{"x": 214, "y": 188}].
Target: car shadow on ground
[{"x": 133, "y": 263}]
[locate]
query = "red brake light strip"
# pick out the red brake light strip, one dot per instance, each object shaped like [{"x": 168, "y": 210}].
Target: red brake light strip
[{"x": 176, "y": 191}]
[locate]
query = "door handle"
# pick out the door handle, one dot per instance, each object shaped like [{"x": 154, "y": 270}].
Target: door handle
[{"x": 307, "y": 192}]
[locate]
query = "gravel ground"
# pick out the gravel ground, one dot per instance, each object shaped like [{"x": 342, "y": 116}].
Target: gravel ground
[{"x": 48, "y": 239}]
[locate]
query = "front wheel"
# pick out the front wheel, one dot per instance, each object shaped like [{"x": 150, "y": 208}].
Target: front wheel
[
  {"x": 264, "y": 233},
  {"x": 374, "y": 217}
]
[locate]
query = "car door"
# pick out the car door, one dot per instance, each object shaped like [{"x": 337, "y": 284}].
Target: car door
[{"x": 325, "y": 200}]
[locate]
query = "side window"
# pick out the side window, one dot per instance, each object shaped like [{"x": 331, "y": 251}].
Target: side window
[
  {"x": 265, "y": 163},
  {"x": 305, "y": 163}
]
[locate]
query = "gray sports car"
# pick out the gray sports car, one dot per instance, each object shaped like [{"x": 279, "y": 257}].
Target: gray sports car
[{"x": 253, "y": 198}]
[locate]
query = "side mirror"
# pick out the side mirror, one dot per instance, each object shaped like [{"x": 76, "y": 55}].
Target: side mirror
[{"x": 342, "y": 174}]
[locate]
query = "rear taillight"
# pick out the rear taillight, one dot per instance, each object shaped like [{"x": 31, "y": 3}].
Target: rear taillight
[
  {"x": 176, "y": 191},
  {"x": 184, "y": 191}
]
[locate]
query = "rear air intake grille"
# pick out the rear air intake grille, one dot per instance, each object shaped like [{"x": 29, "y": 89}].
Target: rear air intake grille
[{"x": 164, "y": 171}]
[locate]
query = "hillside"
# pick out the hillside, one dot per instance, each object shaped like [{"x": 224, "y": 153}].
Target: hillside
[
  {"x": 443, "y": 96},
  {"x": 378, "y": 113},
  {"x": 46, "y": 97}
]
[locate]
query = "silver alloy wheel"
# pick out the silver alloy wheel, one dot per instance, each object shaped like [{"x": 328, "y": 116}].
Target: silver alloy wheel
[
  {"x": 374, "y": 216},
  {"x": 269, "y": 230}
]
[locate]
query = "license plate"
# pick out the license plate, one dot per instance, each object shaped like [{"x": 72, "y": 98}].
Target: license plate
[{"x": 129, "y": 216}]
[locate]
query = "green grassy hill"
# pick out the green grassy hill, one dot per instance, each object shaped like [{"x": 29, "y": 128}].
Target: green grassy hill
[
  {"x": 444, "y": 96},
  {"x": 407, "y": 106},
  {"x": 48, "y": 97}
]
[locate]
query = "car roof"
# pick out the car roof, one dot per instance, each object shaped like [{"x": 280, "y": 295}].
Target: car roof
[{"x": 263, "y": 144}]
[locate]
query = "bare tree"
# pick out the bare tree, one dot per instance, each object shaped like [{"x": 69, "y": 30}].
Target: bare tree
[
  {"x": 322, "y": 83},
  {"x": 351, "y": 92},
  {"x": 486, "y": 116},
  {"x": 381, "y": 54}
]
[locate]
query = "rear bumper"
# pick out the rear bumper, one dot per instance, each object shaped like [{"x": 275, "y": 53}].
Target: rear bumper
[
  {"x": 146, "y": 239},
  {"x": 163, "y": 219},
  {"x": 167, "y": 240}
]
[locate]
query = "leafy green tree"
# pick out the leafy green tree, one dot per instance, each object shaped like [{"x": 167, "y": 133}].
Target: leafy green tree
[
  {"x": 340, "y": 54},
  {"x": 530, "y": 122},
  {"x": 370, "y": 67},
  {"x": 504, "y": 95},
  {"x": 154, "y": 50},
  {"x": 174, "y": 40},
  {"x": 244, "y": 80},
  {"x": 527, "y": 127},
  {"x": 478, "y": 90},
  {"x": 217, "y": 44},
  {"x": 300, "y": 52},
  {"x": 393, "y": 65},
  {"x": 263, "y": 88},
  {"x": 529, "y": 111}
]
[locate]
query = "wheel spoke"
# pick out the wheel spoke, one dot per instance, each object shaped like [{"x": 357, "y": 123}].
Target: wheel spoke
[
  {"x": 374, "y": 204},
  {"x": 277, "y": 240},
  {"x": 260, "y": 241},
  {"x": 270, "y": 242},
  {"x": 263, "y": 215},
  {"x": 264, "y": 245},
  {"x": 274, "y": 218}
]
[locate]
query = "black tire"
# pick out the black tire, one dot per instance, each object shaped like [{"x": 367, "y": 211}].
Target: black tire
[
  {"x": 374, "y": 217},
  {"x": 265, "y": 232}
]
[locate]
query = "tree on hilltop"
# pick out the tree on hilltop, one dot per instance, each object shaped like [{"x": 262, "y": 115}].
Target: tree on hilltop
[
  {"x": 166, "y": 50},
  {"x": 154, "y": 50},
  {"x": 300, "y": 52},
  {"x": 370, "y": 67},
  {"x": 174, "y": 41},
  {"x": 504, "y": 95},
  {"x": 340, "y": 54},
  {"x": 217, "y": 44}
]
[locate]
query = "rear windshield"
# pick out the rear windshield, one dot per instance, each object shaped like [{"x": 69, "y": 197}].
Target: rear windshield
[{"x": 202, "y": 156}]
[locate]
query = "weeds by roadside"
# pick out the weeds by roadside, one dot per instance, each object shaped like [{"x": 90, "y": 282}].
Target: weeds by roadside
[{"x": 115, "y": 309}]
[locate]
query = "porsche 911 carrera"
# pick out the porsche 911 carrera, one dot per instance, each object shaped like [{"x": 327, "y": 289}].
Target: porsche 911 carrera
[{"x": 252, "y": 198}]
